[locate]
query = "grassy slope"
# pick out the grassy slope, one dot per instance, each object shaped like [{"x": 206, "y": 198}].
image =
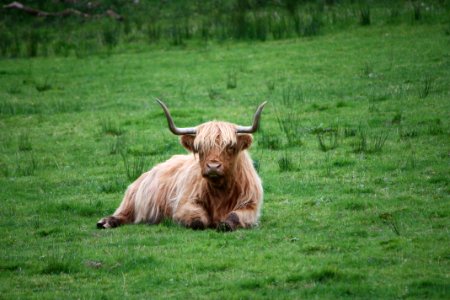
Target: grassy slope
[{"x": 342, "y": 224}]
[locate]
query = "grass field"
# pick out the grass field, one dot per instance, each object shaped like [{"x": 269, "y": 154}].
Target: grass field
[{"x": 353, "y": 153}]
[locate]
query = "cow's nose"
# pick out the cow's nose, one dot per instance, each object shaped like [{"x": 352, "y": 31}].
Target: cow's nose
[{"x": 214, "y": 165}]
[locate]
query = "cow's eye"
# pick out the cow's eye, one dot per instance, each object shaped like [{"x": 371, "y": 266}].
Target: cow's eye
[
  {"x": 200, "y": 154},
  {"x": 231, "y": 149}
]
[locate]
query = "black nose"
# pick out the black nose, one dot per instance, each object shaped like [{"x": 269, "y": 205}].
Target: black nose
[{"x": 213, "y": 165}]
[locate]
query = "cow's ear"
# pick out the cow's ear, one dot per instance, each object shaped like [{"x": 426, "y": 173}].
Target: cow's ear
[
  {"x": 244, "y": 141},
  {"x": 188, "y": 142}
]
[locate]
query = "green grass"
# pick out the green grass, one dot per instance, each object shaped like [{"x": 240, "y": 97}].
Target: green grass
[
  {"x": 344, "y": 217},
  {"x": 187, "y": 23}
]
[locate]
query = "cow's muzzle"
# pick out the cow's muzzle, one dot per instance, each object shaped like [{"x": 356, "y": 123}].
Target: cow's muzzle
[{"x": 213, "y": 170}]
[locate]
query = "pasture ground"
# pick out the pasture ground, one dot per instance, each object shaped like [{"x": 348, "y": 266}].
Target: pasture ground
[{"x": 353, "y": 152}]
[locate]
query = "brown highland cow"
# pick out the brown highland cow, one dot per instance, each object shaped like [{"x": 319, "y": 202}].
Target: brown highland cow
[{"x": 215, "y": 186}]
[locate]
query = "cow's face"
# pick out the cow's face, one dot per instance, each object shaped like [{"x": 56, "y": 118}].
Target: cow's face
[{"x": 217, "y": 146}]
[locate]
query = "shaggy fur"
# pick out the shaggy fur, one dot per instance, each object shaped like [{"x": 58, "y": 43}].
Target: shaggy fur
[{"x": 214, "y": 186}]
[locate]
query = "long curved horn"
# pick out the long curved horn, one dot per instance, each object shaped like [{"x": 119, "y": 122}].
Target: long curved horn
[
  {"x": 256, "y": 118},
  {"x": 172, "y": 127}
]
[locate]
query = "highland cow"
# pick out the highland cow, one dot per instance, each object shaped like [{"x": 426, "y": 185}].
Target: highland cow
[{"x": 215, "y": 186}]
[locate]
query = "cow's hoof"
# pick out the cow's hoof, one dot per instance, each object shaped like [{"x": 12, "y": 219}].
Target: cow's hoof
[
  {"x": 108, "y": 222},
  {"x": 230, "y": 224},
  {"x": 197, "y": 225},
  {"x": 225, "y": 227}
]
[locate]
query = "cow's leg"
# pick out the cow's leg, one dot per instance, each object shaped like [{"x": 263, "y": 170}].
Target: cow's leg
[
  {"x": 192, "y": 215},
  {"x": 115, "y": 220},
  {"x": 124, "y": 214},
  {"x": 244, "y": 218},
  {"x": 109, "y": 222}
]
